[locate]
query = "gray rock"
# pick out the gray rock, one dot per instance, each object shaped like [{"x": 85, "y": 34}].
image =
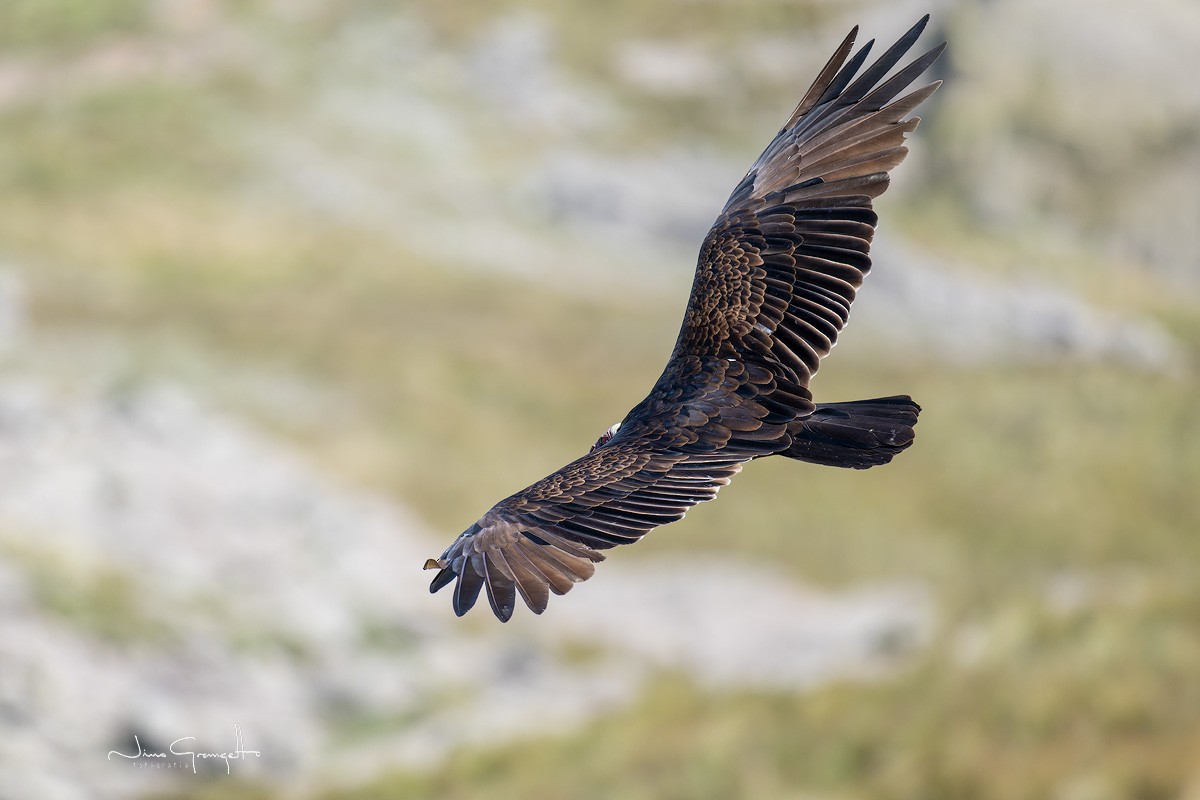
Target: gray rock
[
  {"x": 927, "y": 305},
  {"x": 666, "y": 199},
  {"x": 667, "y": 68},
  {"x": 1036, "y": 130},
  {"x": 513, "y": 64},
  {"x": 726, "y": 624}
]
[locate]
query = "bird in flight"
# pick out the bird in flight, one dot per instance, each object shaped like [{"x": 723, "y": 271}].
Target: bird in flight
[{"x": 773, "y": 287}]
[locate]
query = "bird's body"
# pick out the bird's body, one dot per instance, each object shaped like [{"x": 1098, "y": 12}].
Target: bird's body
[{"x": 774, "y": 283}]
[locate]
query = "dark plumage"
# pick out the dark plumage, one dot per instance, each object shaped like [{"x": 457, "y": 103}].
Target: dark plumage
[{"x": 776, "y": 276}]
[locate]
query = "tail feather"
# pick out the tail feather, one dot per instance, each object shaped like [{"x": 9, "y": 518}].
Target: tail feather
[{"x": 858, "y": 434}]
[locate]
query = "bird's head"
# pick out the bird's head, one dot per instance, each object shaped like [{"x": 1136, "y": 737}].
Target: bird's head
[{"x": 604, "y": 437}]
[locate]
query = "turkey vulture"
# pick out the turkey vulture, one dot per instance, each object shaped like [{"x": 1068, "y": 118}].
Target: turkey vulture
[{"x": 774, "y": 283}]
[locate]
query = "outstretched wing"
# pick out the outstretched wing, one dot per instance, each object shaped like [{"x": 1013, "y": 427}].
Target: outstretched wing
[
  {"x": 704, "y": 418},
  {"x": 781, "y": 265},
  {"x": 773, "y": 288}
]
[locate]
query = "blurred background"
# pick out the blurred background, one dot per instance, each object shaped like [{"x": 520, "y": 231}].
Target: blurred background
[{"x": 292, "y": 291}]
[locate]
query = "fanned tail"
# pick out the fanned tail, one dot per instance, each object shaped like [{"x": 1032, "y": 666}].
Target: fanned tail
[{"x": 858, "y": 434}]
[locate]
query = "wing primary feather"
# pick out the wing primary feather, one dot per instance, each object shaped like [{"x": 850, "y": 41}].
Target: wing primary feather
[
  {"x": 466, "y": 591},
  {"x": 871, "y": 186},
  {"x": 788, "y": 135},
  {"x": 441, "y": 580},
  {"x": 857, "y": 90},
  {"x": 577, "y": 569},
  {"x": 838, "y": 85},
  {"x": 500, "y": 586},
  {"x": 550, "y": 539},
  {"x": 555, "y": 579},
  {"x": 841, "y": 117},
  {"x": 887, "y": 90},
  {"x": 817, "y": 91},
  {"x": 531, "y": 583}
]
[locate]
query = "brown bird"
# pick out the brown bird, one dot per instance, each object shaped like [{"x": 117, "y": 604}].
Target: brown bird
[{"x": 774, "y": 283}]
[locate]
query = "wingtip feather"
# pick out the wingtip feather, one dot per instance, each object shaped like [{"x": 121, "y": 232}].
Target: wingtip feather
[
  {"x": 466, "y": 590},
  {"x": 441, "y": 580},
  {"x": 501, "y": 591}
]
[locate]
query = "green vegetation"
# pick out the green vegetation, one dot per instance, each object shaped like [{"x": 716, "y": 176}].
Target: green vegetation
[
  {"x": 1028, "y": 483},
  {"x": 1024, "y": 716},
  {"x": 42, "y": 24},
  {"x": 94, "y": 597}
]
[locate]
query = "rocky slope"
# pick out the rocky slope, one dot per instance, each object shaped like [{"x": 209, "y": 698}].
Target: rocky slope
[{"x": 167, "y": 572}]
